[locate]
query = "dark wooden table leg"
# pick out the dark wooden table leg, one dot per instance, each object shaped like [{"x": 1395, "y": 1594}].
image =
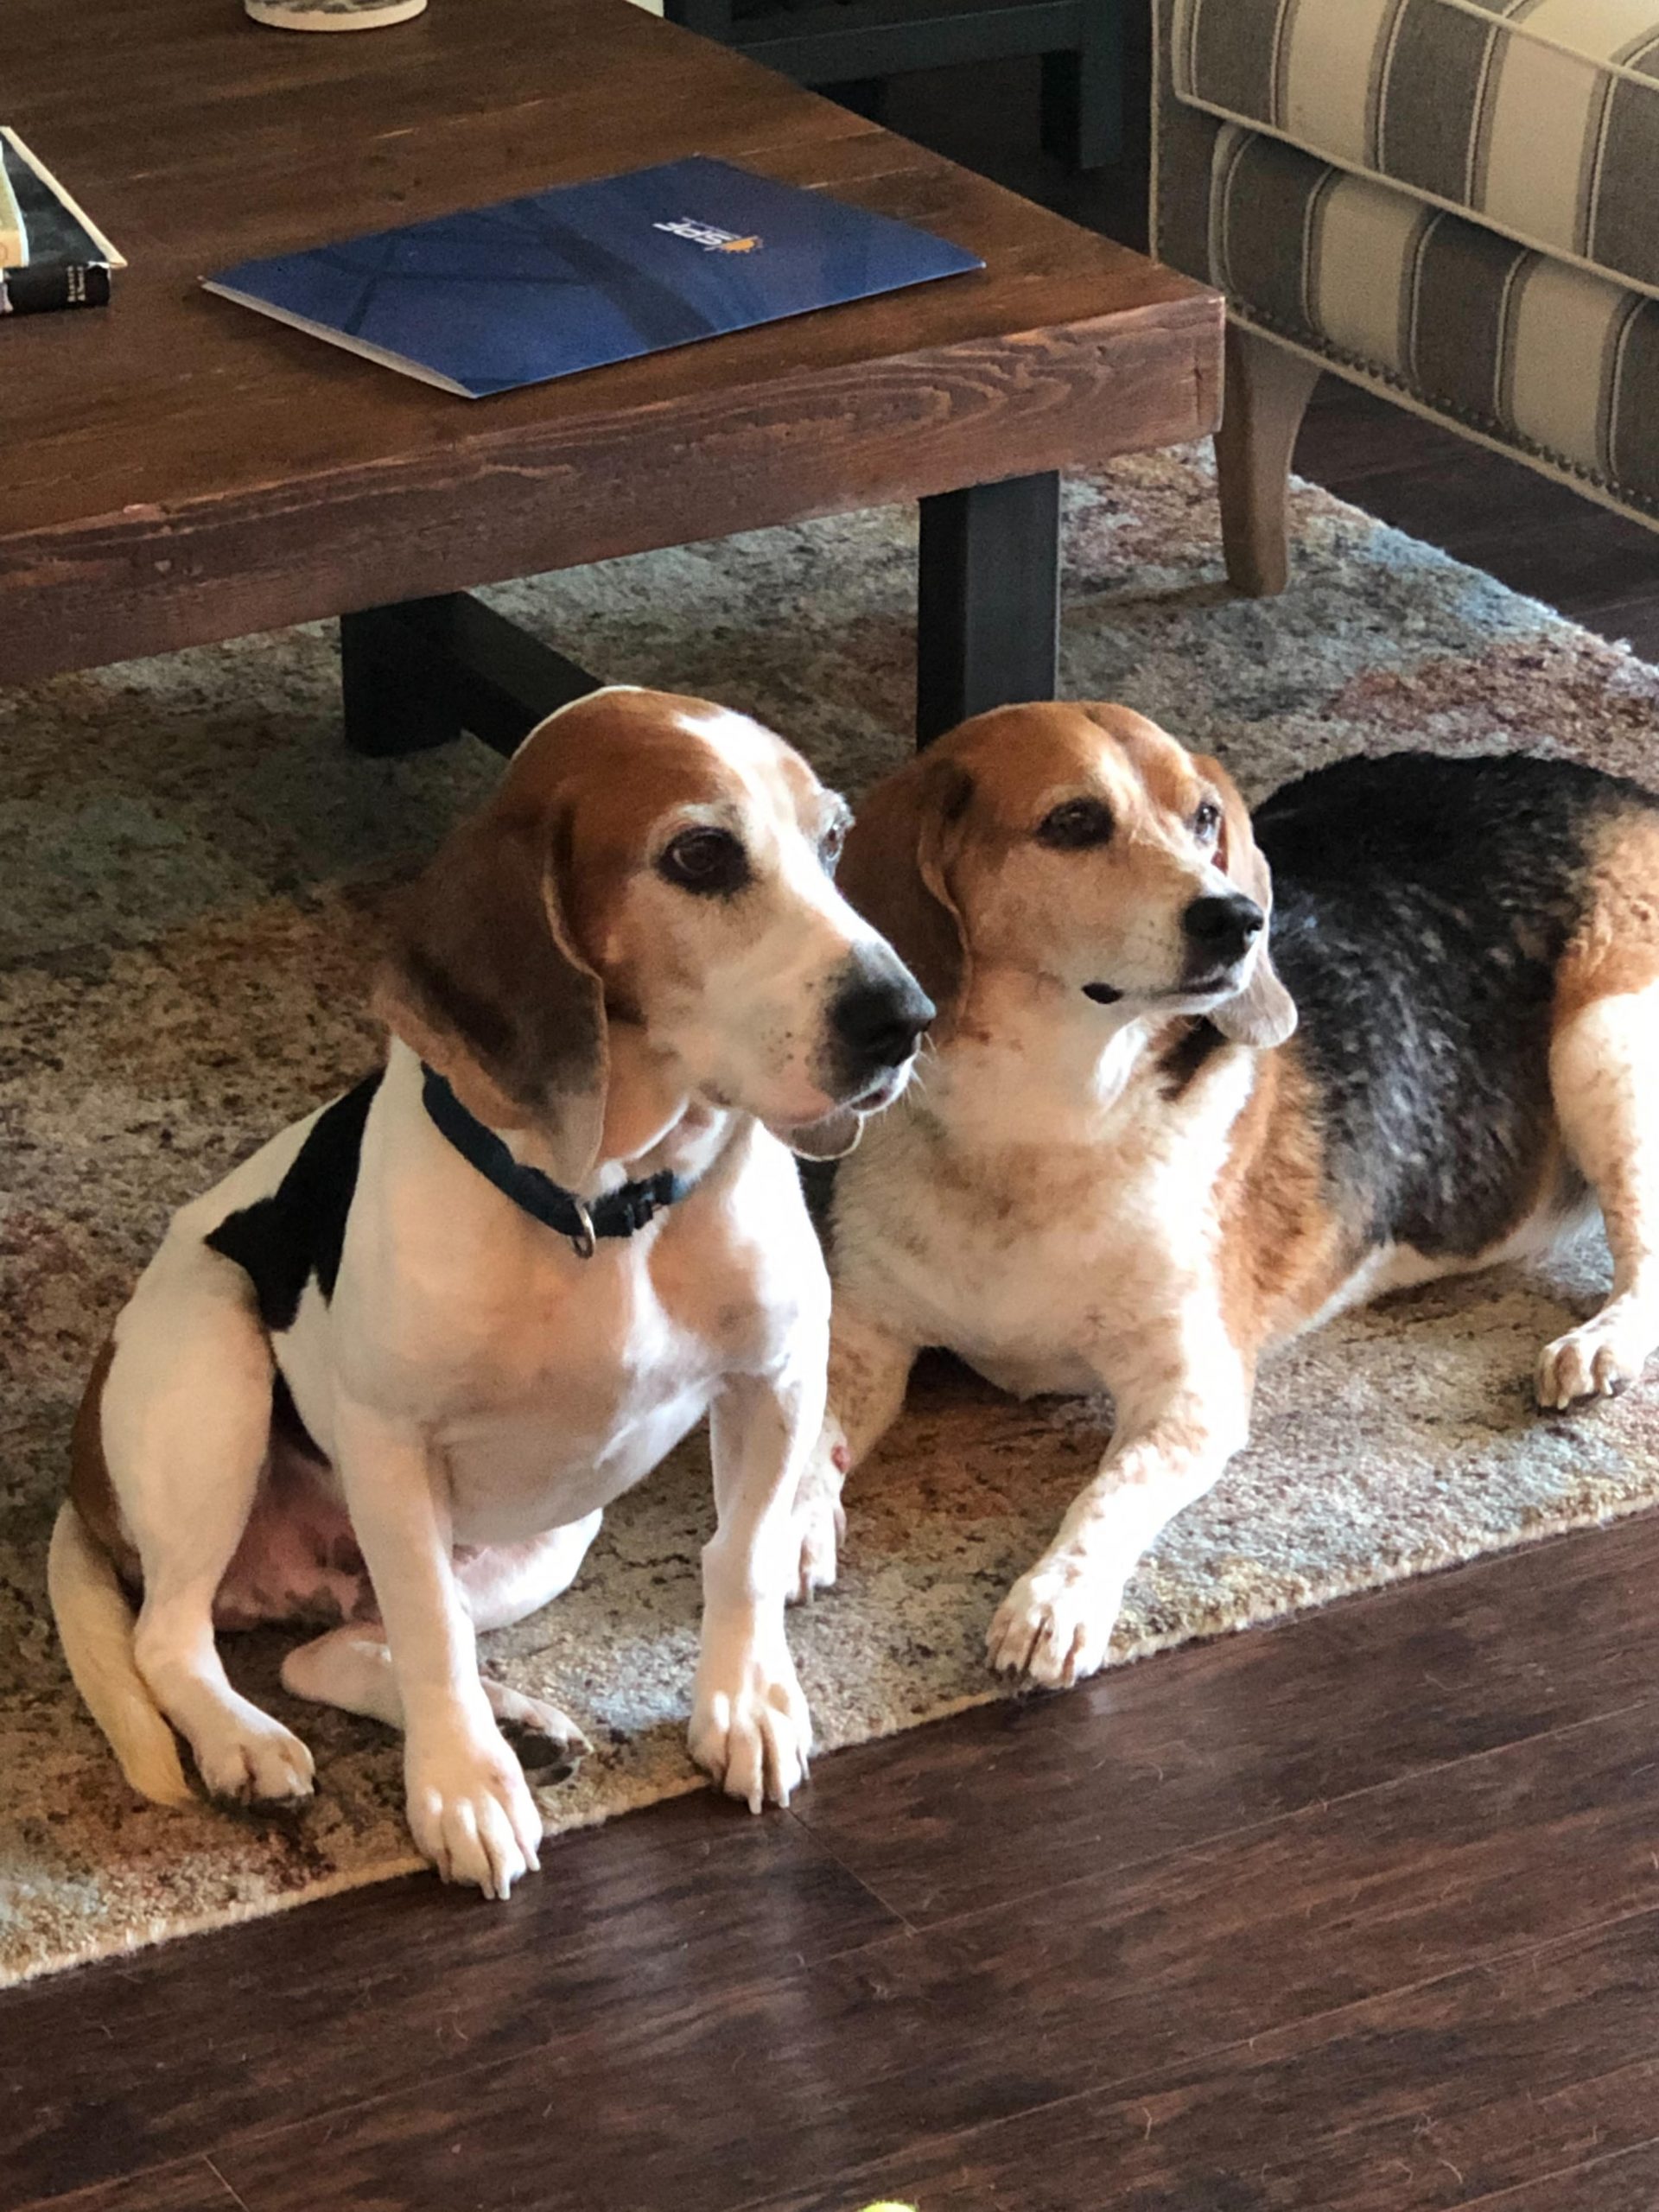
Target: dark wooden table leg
[
  {"x": 712, "y": 18},
  {"x": 419, "y": 673},
  {"x": 989, "y": 599},
  {"x": 389, "y": 706},
  {"x": 1083, "y": 91}
]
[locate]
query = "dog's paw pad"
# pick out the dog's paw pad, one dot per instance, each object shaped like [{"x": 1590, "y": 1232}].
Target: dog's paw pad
[{"x": 547, "y": 1742}]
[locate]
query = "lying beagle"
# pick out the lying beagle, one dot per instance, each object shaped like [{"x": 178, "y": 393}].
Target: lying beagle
[
  {"x": 1116, "y": 1167},
  {"x": 390, "y": 1372}
]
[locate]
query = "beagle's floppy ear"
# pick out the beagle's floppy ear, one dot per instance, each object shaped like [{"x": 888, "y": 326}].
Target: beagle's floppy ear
[
  {"x": 891, "y": 872},
  {"x": 482, "y": 980},
  {"x": 1263, "y": 1012}
]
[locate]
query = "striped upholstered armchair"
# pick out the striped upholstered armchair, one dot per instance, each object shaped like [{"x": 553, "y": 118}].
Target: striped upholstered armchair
[{"x": 1455, "y": 202}]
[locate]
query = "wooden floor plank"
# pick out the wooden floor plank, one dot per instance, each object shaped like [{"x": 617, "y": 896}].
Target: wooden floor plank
[
  {"x": 1625, "y": 2182},
  {"x": 144, "y": 2060},
  {"x": 1487, "y": 2088},
  {"x": 1172, "y": 1801},
  {"x": 1210, "y": 1966},
  {"x": 192, "y": 2186},
  {"x": 1199, "y": 1743}
]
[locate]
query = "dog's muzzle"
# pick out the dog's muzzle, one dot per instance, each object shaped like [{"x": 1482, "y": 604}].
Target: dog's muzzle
[
  {"x": 877, "y": 1019},
  {"x": 1219, "y": 932}
]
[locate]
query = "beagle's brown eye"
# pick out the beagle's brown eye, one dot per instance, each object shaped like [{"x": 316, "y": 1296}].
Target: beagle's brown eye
[
  {"x": 708, "y": 860},
  {"x": 1075, "y": 824},
  {"x": 829, "y": 846},
  {"x": 1206, "y": 822}
]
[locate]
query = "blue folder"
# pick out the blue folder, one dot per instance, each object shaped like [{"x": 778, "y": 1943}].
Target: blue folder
[{"x": 584, "y": 274}]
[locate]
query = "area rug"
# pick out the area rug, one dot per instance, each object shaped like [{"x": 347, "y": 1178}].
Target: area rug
[{"x": 192, "y": 870}]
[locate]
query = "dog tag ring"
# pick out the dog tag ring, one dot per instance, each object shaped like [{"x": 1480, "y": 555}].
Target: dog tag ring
[{"x": 583, "y": 1242}]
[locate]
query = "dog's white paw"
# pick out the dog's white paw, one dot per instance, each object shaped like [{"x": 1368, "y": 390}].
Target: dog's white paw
[
  {"x": 1053, "y": 1626},
  {"x": 1598, "y": 1360},
  {"x": 470, "y": 1811},
  {"x": 751, "y": 1730},
  {"x": 541, "y": 1734},
  {"x": 246, "y": 1756}
]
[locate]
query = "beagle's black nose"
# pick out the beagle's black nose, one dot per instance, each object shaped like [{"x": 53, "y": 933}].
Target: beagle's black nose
[
  {"x": 879, "y": 1020},
  {"x": 1224, "y": 927}
]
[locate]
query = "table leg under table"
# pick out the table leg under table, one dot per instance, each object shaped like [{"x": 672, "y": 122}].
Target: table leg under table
[
  {"x": 418, "y": 673},
  {"x": 988, "y": 610}
]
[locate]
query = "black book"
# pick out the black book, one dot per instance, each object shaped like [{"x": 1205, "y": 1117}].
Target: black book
[{"x": 51, "y": 254}]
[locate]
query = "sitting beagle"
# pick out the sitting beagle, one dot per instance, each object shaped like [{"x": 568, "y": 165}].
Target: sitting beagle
[
  {"x": 1118, "y": 1168},
  {"x": 391, "y": 1372}
]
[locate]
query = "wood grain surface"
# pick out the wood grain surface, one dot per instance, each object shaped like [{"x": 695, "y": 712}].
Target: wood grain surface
[
  {"x": 1356, "y": 1915},
  {"x": 175, "y": 468}
]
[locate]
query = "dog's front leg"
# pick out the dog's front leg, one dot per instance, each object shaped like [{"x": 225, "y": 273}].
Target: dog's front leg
[
  {"x": 750, "y": 1727},
  {"x": 869, "y": 1367},
  {"x": 1173, "y": 1439},
  {"x": 469, "y": 1808}
]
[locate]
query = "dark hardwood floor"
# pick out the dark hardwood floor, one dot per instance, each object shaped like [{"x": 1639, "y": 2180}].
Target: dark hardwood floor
[
  {"x": 1360, "y": 1914},
  {"x": 1536, "y": 536}
]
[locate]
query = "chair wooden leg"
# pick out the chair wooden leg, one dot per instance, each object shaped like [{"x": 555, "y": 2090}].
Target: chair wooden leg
[{"x": 1267, "y": 390}]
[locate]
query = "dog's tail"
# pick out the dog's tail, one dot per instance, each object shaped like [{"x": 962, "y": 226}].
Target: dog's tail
[{"x": 95, "y": 1623}]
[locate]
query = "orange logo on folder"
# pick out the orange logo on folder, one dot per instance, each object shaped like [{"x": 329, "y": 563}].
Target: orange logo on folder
[{"x": 710, "y": 237}]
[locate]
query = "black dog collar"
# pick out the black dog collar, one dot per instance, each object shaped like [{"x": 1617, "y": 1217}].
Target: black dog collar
[{"x": 619, "y": 1213}]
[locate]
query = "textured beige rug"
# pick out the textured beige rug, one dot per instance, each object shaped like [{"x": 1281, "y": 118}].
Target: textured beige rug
[{"x": 192, "y": 869}]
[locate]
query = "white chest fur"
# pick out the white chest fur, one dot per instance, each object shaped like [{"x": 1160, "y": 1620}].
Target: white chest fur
[
  {"x": 1032, "y": 1217},
  {"x": 549, "y": 1384}
]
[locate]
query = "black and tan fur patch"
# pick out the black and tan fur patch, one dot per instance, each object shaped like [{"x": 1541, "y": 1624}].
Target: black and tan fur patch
[
  {"x": 1426, "y": 911},
  {"x": 296, "y": 1234}
]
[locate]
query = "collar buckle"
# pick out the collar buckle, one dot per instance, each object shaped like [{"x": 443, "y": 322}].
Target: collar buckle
[{"x": 621, "y": 1212}]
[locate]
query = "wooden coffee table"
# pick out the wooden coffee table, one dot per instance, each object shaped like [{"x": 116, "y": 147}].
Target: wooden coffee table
[{"x": 176, "y": 470}]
